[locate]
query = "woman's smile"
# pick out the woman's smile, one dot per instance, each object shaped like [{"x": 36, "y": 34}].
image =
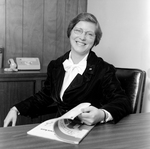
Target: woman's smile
[{"x": 79, "y": 43}]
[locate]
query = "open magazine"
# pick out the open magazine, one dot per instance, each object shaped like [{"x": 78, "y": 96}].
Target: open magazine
[{"x": 66, "y": 128}]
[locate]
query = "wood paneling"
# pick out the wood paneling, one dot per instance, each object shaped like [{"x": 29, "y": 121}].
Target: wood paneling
[
  {"x": 37, "y": 28},
  {"x": 13, "y": 29},
  {"x": 33, "y": 28},
  {"x": 2, "y": 22},
  {"x": 49, "y": 46}
]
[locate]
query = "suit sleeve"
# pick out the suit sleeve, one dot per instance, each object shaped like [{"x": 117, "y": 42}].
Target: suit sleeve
[{"x": 33, "y": 105}]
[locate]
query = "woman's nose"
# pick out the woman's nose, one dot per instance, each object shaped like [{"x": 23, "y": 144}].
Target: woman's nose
[{"x": 83, "y": 36}]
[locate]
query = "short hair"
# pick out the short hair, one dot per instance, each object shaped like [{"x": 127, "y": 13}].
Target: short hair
[{"x": 89, "y": 18}]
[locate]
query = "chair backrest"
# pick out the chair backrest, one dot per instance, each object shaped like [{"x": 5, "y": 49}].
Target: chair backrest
[{"x": 133, "y": 82}]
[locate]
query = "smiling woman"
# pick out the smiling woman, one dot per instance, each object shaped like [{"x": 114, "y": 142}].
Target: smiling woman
[
  {"x": 79, "y": 76},
  {"x": 82, "y": 39},
  {"x": 84, "y": 32},
  {"x": 86, "y": 17}
]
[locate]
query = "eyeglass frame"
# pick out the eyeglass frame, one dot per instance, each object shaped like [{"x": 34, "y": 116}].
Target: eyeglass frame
[{"x": 88, "y": 34}]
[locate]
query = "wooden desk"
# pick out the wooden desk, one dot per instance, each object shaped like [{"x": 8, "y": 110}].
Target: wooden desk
[
  {"x": 131, "y": 132},
  {"x": 17, "y": 86}
]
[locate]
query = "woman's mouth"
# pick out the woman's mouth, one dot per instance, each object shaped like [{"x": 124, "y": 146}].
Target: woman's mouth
[{"x": 80, "y": 43}]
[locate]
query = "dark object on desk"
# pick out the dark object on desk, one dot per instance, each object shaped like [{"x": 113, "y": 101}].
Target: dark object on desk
[{"x": 133, "y": 82}]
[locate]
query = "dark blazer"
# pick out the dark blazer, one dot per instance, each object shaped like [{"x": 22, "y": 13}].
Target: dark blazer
[{"x": 98, "y": 85}]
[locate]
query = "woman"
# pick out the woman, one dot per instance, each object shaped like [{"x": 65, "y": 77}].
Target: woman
[{"x": 79, "y": 76}]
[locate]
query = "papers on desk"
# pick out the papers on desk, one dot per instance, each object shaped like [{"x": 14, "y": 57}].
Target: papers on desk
[{"x": 66, "y": 128}]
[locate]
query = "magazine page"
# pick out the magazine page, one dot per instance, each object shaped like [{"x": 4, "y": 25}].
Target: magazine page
[
  {"x": 65, "y": 128},
  {"x": 70, "y": 131},
  {"x": 45, "y": 130}
]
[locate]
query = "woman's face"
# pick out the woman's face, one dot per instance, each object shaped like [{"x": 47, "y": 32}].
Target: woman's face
[{"x": 82, "y": 37}]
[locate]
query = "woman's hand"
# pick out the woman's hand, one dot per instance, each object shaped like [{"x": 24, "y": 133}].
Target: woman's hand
[
  {"x": 91, "y": 115},
  {"x": 11, "y": 117}
]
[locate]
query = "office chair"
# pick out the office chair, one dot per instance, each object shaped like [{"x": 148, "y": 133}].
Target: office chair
[{"x": 133, "y": 82}]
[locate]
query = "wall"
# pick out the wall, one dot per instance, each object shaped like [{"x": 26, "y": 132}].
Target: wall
[
  {"x": 126, "y": 35},
  {"x": 36, "y": 28}
]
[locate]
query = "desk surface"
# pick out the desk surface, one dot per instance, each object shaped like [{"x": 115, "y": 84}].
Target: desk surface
[
  {"x": 131, "y": 132},
  {"x": 23, "y": 73}
]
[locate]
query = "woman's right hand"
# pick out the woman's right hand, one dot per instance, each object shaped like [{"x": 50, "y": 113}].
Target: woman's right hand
[{"x": 11, "y": 117}]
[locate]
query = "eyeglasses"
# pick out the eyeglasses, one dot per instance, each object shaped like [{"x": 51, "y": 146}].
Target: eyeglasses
[{"x": 88, "y": 34}]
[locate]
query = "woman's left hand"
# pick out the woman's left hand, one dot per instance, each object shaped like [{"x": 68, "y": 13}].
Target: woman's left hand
[{"x": 91, "y": 115}]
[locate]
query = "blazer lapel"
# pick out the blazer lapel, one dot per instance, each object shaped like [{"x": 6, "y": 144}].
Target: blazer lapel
[
  {"x": 58, "y": 74},
  {"x": 80, "y": 80}
]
